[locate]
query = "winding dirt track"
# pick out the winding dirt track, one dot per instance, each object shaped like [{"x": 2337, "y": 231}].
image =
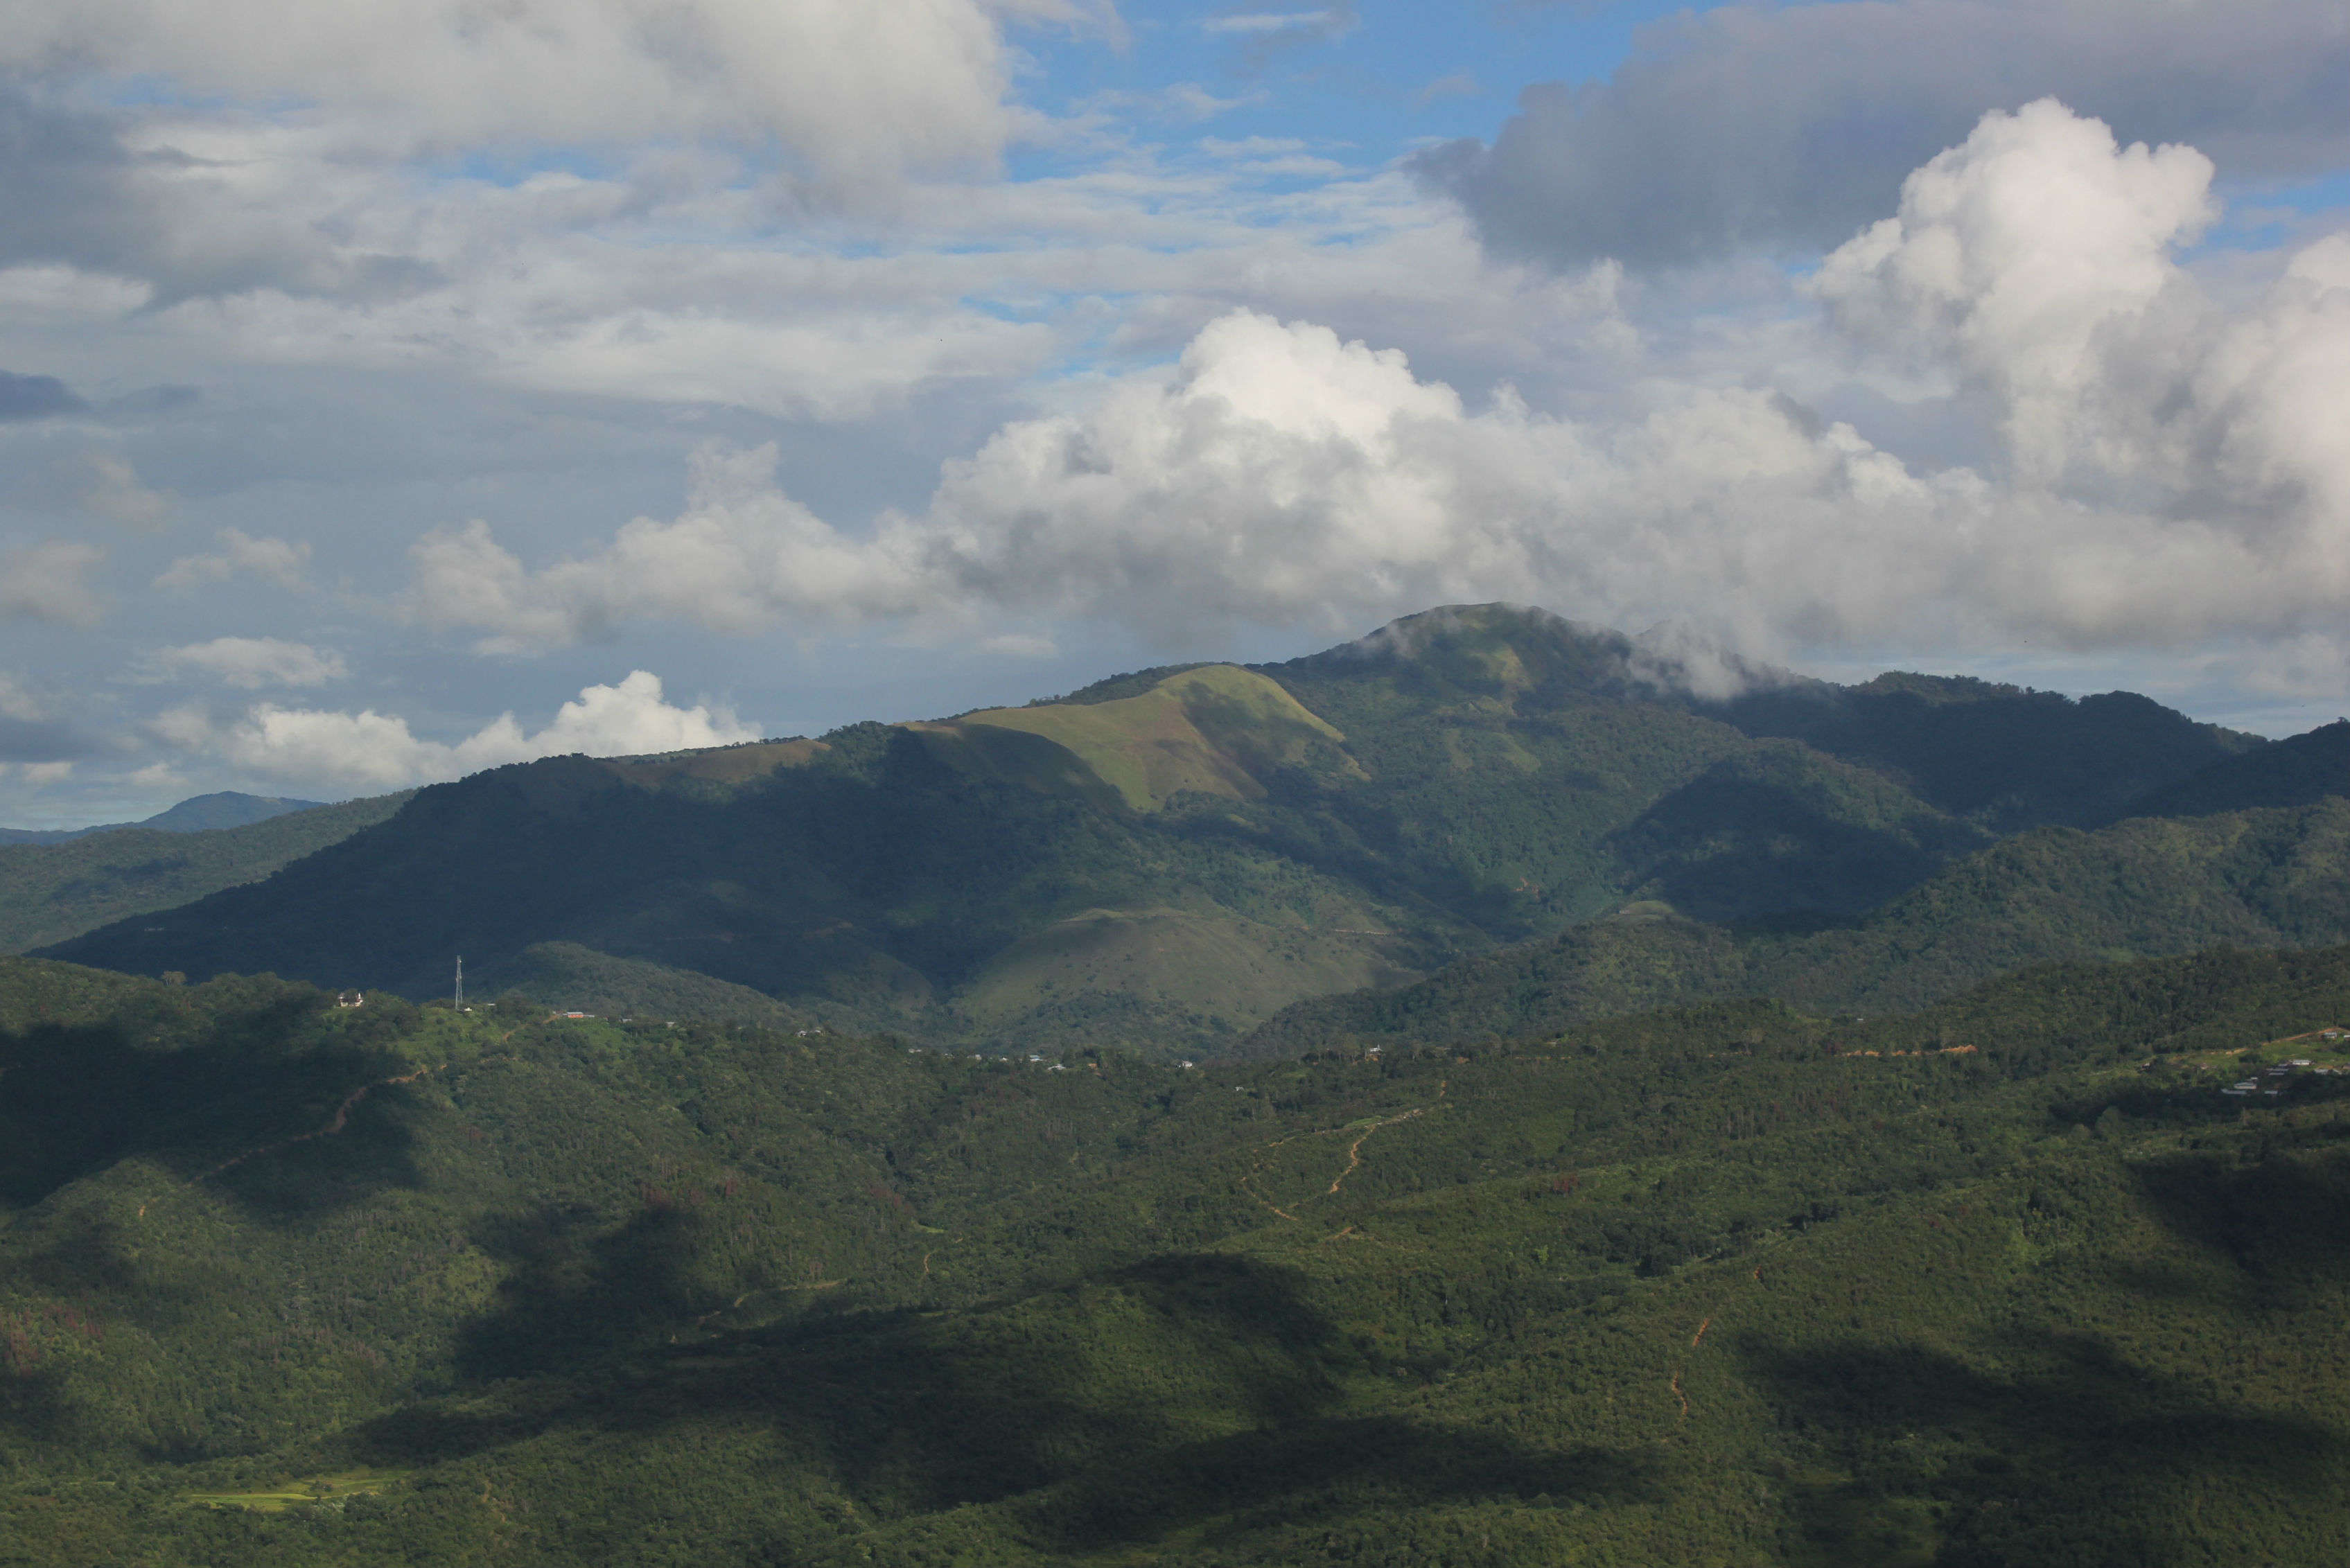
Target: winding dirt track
[
  {"x": 1355, "y": 1149},
  {"x": 1353, "y": 1156},
  {"x": 1698, "y": 1339},
  {"x": 335, "y": 1124}
]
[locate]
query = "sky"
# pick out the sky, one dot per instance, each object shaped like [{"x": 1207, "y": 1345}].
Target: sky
[{"x": 389, "y": 391}]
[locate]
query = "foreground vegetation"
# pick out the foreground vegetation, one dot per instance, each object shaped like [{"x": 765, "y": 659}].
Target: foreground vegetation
[{"x": 2010, "y": 1280}]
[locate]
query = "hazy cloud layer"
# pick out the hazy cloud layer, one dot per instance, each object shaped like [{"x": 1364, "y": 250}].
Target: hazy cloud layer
[
  {"x": 50, "y": 581},
  {"x": 252, "y": 662},
  {"x": 35, "y": 398},
  {"x": 30, "y": 734},
  {"x": 278, "y": 561},
  {"x": 858, "y": 91},
  {"x": 1786, "y": 126}
]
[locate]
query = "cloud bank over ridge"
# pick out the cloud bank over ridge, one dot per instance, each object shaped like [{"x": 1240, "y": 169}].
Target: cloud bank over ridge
[{"x": 2161, "y": 473}]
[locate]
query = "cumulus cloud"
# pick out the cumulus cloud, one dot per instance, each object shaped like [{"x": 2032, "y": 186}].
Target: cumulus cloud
[
  {"x": 252, "y": 662},
  {"x": 2171, "y": 466},
  {"x": 49, "y": 581},
  {"x": 279, "y": 561},
  {"x": 1787, "y": 127},
  {"x": 858, "y": 91},
  {"x": 2022, "y": 256},
  {"x": 2036, "y": 262},
  {"x": 1278, "y": 474},
  {"x": 368, "y": 750}
]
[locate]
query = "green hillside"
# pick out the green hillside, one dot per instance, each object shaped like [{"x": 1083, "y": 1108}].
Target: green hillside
[
  {"x": 2010, "y": 1281},
  {"x": 2144, "y": 887},
  {"x": 2300, "y": 770},
  {"x": 1165, "y": 860},
  {"x": 52, "y": 891}
]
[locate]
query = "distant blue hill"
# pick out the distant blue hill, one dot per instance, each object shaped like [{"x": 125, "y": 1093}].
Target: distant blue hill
[{"x": 224, "y": 808}]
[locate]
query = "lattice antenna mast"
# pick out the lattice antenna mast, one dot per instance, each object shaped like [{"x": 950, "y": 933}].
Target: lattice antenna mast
[{"x": 460, "y": 1003}]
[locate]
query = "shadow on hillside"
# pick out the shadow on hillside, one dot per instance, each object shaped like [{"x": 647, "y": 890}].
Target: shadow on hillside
[
  {"x": 82, "y": 1098},
  {"x": 1179, "y": 1392},
  {"x": 2283, "y": 1221},
  {"x": 2071, "y": 1455},
  {"x": 1763, "y": 848}
]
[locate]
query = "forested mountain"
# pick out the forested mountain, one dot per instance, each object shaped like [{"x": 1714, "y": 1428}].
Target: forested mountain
[
  {"x": 2015, "y": 1281},
  {"x": 2147, "y": 887},
  {"x": 198, "y": 813},
  {"x": 1168, "y": 858},
  {"x": 50, "y": 891}
]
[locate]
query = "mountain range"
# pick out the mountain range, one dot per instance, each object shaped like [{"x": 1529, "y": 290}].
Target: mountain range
[
  {"x": 198, "y": 813},
  {"x": 1168, "y": 859},
  {"x": 1497, "y": 1092}
]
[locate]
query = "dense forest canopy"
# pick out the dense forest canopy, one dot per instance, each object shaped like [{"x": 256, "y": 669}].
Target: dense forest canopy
[{"x": 2013, "y": 1280}]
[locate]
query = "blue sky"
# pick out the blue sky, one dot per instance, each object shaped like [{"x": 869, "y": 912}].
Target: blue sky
[{"x": 401, "y": 393}]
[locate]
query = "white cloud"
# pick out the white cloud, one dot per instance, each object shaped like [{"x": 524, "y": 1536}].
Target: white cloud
[
  {"x": 1782, "y": 128},
  {"x": 279, "y": 561},
  {"x": 253, "y": 662},
  {"x": 48, "y": 581},
  {"x": 368, "y": 750},
  {"x": 1279, "y": 474},
  {"x": 2170, "y": 469},
  {"x": 17, "y": 702},
  {"x": 1452, "y": 84},
  {"x": 115, "y": 494},
  {"x": 859, "y": 92},
  {"x": 2020, "y": 257},
  {"x": 1019, "y": 645},
  {"x": 1270, "y": 21}
]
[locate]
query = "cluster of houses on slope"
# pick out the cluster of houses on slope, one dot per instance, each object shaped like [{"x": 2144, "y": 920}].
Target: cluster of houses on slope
[{"x": 2282, "y": 1072}]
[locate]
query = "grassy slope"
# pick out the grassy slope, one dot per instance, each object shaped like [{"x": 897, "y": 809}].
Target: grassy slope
[
  {"x": 1193, "y": 732},
  {"x": 49, "y": 892},
  {"x": 1705, "y": 1287}
]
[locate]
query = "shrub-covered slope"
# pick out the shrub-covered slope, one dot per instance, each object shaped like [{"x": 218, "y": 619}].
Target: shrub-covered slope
[{"x": 2013, "y": 1282}]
